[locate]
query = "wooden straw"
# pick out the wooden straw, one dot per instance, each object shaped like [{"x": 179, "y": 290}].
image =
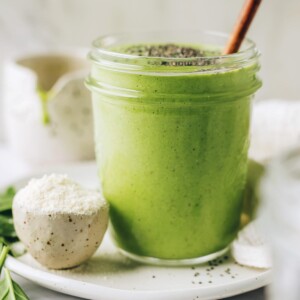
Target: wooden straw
[{"x": 242, "y": 26}]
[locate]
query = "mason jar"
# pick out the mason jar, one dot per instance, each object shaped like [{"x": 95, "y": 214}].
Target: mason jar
[{"x": 172, "y": 135}]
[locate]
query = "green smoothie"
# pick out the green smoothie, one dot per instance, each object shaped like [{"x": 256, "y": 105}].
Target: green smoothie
[{"x": 171, "y": 146}]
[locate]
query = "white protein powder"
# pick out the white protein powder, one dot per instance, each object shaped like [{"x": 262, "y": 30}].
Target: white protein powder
[{"x": 58, "y": 194}]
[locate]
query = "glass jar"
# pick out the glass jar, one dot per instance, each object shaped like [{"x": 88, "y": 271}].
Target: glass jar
[
  {"x": 171, "y": 144},
  {"x": 280, "y": 214}
]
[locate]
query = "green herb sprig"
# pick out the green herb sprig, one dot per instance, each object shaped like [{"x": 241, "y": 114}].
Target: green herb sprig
[
  {"x": 9, "y": 289},
  {"x": 7, "y": 230}
]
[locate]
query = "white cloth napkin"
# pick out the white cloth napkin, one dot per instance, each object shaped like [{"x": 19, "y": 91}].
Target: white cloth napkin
[
  {"x": 275, "y": 128},
  {"x": 250, "y": 248}
]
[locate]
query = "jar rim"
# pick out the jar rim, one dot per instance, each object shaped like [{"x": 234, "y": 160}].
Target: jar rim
[{"x": 102, "y": 50}]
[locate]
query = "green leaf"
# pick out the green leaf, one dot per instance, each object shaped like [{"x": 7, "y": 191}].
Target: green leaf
[
  {"x": 7, "y": 228},
  {"x": 9, "y": 290},
  {"x": 4, "y": 251},
  {"x": 7, "y": 285},
  {"x": 6, "y": 199},
  {"x": 8, "y": 241},
  {"x": 3, "y": 290},
  {"x": 19, "y": 293},
  {"x": 2, "y": 241},
  {"x": 5, "y": 282}
]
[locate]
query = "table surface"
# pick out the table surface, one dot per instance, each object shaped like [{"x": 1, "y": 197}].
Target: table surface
[{"x": 11, "y": 168}]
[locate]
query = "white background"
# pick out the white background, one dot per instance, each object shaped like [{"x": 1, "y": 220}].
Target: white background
[{"x": 34, "y": 24}]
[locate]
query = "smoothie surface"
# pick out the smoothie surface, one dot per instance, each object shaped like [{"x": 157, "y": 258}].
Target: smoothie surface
[{"x": 169, "y": 50}]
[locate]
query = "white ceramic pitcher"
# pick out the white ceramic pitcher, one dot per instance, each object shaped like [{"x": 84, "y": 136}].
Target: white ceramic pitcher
[{"x": 48, "y": 111}]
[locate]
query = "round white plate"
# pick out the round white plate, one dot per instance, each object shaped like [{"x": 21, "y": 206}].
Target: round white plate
[{"x": 110, "y": 276}]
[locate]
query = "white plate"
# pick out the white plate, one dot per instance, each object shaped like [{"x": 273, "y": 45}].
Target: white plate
[{"x": 110, "y": 276}]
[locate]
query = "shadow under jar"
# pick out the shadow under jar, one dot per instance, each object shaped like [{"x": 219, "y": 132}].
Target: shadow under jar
[{"x": 172, "y": 136}]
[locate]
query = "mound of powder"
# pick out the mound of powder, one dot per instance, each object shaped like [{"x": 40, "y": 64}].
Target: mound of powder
[{"x": 59, "y": 194}]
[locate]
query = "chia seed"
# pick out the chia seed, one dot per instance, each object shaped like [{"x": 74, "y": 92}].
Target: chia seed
[
  {"x": 165, "y": 50},
  {"x": 175, "y": 51}
]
